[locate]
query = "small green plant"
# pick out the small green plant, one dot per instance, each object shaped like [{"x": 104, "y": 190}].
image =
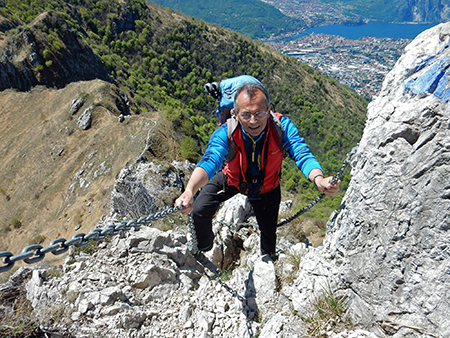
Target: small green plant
[
  {"x": 18, "y": 322},
  {"x": 55, "y": 273},
  {"x": 72, "y": 296},
  {"x": 38, "y": 239},
  {"x": 89, "y": 248},
  {"x": 71, "y": 261},
  {"x": 168, "y": 223},
  {"x": 293, "y": 259},
  {"x": 57, "y": 45},
  {"x": 11, "y": 32},
  {"x": 39, "y": 68},
  {"x": 189, "y": 149},
  {"x": 328, "y": 311},
  {"x": 19, "y": 328},
  {"x": 47, "y": 54},
  {"x": 16, "y": 223},
  {"x": 225, "y": 275}
]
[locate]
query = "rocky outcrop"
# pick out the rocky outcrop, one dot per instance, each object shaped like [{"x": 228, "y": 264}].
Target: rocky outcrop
[
  {"x": 388, "y": 248},
  {"x": 141, "y": 188},
  {"x": 47, "y": 52}
]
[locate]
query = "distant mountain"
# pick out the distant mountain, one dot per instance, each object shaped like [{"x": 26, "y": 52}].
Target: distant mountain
[
  {"x": 396, "y": 10},
  {"x": 252, "y": 17}
]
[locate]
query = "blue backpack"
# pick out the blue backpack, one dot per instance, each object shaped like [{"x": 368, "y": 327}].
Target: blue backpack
[{"x": 225, "y": 92}]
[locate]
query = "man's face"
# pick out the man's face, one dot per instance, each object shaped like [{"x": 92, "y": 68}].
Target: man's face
[{"x": 256, "y": 122}]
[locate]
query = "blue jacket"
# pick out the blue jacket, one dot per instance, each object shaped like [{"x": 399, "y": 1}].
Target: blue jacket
[{"x": 294, "y": 144}]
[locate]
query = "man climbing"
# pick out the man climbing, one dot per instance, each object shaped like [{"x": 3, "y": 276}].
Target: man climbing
[{"x": 253, "y": 162}]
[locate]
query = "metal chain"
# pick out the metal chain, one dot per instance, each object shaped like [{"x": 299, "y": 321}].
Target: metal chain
[
  {"x": 35, "y": 253},
  {"x": 334, "y": 180},
  {"x": 193, "y": 243}
]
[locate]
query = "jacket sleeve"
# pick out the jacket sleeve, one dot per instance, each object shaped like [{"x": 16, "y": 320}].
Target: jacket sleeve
[
  {"x": 297, "y": 149},
  {"x": 216, "y": 151}
]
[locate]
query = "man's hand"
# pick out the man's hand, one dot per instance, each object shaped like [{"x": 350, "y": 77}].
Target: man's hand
[
  {"x": 198, "y": 179},
  {"x": 324, "y": 185},
  {"x": 186, "y": 199}
]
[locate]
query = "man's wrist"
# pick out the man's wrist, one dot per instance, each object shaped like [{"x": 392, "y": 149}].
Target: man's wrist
[{"x": 314, "y": 179}]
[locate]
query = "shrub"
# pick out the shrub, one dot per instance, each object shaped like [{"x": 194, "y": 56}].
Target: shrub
[
  {"x": 47, "y": 54},
  {"x": 189, "y": 149},
  {"x": 292, "y": 259},
  {"x": 57, "y": 45},
  {"x": 290, "y": 185},
  {"x": 88, "y": 249},
  {"x": 173, "y": 115},
  {"x": 55, "y": 273},
  {"x": 16, "y": 223},
  {"x": 39, "y": 239}
]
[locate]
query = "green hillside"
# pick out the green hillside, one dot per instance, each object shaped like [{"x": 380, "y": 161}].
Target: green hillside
[
  {"x": 162, "y": 60},
  {"x": 253, "y": 18}
]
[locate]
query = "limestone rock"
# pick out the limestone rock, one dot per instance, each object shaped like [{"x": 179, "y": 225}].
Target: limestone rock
[
  {"x": 76, "y": 104},
  {"x": 85, "y": 119}
]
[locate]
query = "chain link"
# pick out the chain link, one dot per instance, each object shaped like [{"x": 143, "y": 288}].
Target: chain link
[
  {"x": 192, "y": 245},
  {"x": 36, "y": 252}
]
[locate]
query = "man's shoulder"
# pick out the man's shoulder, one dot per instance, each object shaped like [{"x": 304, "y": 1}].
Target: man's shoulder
[{"x": 220, "y": 131}]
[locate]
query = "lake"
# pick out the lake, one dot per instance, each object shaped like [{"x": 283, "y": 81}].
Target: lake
[{"x": 376, "y": 29}]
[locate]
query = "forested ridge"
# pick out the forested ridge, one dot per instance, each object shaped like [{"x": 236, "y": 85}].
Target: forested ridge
[
  {"x": 253, "y": 18},
  {"x": 162, "y": 60}
]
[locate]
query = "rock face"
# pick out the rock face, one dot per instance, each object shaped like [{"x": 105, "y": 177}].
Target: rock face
[{"x": 388, "y": 248}]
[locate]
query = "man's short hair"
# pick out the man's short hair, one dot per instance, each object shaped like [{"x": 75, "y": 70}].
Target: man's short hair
[{"x": 251, "y": 88}]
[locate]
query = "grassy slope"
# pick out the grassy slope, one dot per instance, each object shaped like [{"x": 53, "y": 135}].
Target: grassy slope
[{"x": 37, "y": 186}]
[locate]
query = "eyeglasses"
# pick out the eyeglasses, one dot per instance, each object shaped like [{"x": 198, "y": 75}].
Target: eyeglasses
[{"x": 258, "y": 115}]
